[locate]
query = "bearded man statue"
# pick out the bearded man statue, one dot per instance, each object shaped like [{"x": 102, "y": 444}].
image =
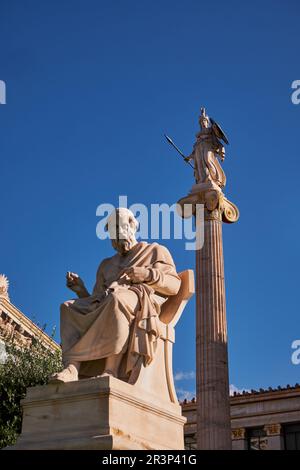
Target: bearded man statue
[{"x": 109, "y": 331}]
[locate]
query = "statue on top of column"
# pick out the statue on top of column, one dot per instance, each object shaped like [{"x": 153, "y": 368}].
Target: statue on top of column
[
  {"x": 209, "y": 175},
  {"x": 206, "y": 151}
]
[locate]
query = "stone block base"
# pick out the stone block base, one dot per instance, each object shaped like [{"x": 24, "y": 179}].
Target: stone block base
[{"x": 100, "y": 414}]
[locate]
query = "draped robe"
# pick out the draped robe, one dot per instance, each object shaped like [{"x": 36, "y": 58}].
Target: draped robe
[
  {"x": 119, "y": 316},
  {"x": 207, "y": 166}
]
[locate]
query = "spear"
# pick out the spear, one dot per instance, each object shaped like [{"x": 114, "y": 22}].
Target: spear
[{"x": 179, "y": 151}]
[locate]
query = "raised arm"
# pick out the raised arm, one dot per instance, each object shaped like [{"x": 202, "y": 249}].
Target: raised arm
[{"x": 76, "y": 284}]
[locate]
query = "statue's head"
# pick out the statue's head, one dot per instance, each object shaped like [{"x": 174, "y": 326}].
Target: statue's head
[
  {"x": 122, "y": 226},
  {"x": 203, "y": 119}
]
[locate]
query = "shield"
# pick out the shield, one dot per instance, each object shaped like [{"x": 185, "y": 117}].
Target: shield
[{"x": 218, "y": 131}]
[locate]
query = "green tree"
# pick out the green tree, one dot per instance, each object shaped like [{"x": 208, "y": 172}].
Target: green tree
[{"x": 22, "y": 368}]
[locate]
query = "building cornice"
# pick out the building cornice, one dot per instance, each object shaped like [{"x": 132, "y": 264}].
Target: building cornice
[
  {"x": 255, "y": 395},
  {"x": 29, "y": 326}
]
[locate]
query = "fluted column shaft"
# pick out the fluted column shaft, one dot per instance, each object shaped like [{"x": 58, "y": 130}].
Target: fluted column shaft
[{"x": 213, "y": 406}]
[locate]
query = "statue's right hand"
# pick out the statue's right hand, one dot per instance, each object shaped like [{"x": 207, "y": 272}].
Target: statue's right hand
[{"x": 74, "y": 282}]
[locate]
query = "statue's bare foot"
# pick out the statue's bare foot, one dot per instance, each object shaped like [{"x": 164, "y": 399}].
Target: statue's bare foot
[
  {"x": 69, "y": 374},
  {"x": 107, "y": 373}
]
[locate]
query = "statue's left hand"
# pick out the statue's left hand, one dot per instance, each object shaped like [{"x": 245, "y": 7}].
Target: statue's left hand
[
  {"x": 76, "y": 284},
  {"x": 137, "y": 275}
]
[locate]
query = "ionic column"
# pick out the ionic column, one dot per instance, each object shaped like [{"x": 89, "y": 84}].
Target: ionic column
[{"x": 213, "y": 406}]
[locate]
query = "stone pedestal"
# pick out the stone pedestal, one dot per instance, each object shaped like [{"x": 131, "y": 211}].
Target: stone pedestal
[
  {"x": 101, "y": 413},
  {"x": 213, "y": 406}
]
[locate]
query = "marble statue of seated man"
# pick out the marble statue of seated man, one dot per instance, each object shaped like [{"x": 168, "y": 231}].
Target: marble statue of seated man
[{"x": 112, "y": 328}]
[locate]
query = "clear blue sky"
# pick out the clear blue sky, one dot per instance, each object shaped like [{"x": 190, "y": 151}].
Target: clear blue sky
[{"x": 91, "y": 87}]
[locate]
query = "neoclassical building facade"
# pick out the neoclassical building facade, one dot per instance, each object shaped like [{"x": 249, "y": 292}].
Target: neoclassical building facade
[
  {"x": 260, "y": 420},
  {"x": 16, "y": 326}
]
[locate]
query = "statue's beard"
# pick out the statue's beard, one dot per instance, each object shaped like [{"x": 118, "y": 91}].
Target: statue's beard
[{"x": 122, "y": 246}]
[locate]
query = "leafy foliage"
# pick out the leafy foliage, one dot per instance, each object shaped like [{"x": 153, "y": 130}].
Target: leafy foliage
[{"x": 22, "y": 368}]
